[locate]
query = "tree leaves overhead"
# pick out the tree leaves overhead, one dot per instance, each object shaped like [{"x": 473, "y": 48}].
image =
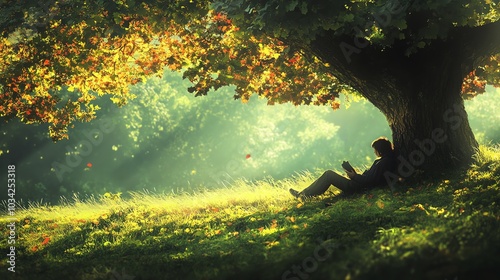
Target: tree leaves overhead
[
  {"x": 475, "y": 83},
  {"x": 58, "y": 57},
  {"x": 382, "y": 22}
]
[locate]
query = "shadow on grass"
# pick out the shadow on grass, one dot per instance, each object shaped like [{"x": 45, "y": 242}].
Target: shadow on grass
[{"x": 425, "y": 231}]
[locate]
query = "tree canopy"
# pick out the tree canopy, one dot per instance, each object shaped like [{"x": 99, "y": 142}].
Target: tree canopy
[{"x": 58, "y": 57}]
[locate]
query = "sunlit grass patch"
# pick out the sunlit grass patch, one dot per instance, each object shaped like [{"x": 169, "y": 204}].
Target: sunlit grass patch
[
  {"x": 257, "y": 230},
  {"x": 487, "y": 154}
]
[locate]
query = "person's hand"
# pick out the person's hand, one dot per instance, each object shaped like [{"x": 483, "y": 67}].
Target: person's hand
[{"x": 350, "y": 174}]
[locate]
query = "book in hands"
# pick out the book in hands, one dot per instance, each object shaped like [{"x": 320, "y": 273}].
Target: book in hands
[{"x": 348, "y": 167}]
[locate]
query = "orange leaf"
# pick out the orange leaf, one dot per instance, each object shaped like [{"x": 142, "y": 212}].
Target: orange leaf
[{"x": 46, "y": 241}]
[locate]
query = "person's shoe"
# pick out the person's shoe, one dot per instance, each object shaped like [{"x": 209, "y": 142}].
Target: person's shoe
[{"x": 295, "y": 193}]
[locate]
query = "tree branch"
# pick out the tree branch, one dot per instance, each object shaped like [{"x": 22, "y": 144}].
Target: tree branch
[{"x": 478, "y": 43}]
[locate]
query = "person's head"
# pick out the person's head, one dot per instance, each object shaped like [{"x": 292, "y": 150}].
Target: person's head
[{"x": 382, "y": 146}]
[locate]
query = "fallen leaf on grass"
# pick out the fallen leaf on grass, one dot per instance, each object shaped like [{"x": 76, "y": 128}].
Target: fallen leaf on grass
[
  {"x": 46, "y": 241},
  {"x": 380, "y": 204}
]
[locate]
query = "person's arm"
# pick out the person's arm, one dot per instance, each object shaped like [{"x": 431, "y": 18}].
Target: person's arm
[
  {"x": 374, "y": 174},
  {"x": 351, "y": 174}
]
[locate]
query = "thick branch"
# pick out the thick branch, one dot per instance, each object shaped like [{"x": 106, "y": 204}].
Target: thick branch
[
  {"x": 478, "y": 43},
  {"x": 351, "y": 61}
]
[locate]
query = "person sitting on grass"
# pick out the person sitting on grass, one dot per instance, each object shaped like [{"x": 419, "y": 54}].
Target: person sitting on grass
[{"x": 373, "y": 177}]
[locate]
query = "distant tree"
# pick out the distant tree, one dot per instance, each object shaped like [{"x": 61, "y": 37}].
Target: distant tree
[{"x": 415, "y": 60}]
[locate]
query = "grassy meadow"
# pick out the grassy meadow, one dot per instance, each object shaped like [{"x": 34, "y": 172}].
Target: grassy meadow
[{"x": 426, "y": 229}]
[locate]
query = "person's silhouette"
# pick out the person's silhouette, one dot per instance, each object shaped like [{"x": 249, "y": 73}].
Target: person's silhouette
[{"x": 373, "y": 177}]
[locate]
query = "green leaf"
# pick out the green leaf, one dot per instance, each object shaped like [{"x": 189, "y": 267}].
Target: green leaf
[
  {"x": 117, "y": 18},
  {"x": 292, "y": 5},
  {"x": 400, "y": 24},
  {"x": 348, "y": 17},
  {"x": 303, "y": 8},
  {"x": 131, "y": 3}
]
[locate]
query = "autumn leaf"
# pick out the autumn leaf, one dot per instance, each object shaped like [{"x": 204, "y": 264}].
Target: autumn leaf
[
  {"x": 46, "y": 241},
  {"x": 380, "y": 204}
]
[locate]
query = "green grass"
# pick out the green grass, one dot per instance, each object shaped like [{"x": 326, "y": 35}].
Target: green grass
[{"x": 433, "y": 229}]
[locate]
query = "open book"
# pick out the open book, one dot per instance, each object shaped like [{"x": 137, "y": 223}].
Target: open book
[{"x": 348, "y": 167}]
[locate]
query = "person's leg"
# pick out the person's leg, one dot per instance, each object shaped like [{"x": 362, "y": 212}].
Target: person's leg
[{"x": 322, "y": 184}]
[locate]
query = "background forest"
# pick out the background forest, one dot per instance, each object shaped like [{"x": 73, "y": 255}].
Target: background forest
[{"x": 166, "y": 141}]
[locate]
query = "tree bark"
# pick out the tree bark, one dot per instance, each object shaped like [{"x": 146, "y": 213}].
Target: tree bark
[{"x": 420, "y": 94}]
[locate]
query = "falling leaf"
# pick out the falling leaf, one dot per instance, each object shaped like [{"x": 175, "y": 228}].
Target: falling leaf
[
  {"x": 46, "y": 241},
  {"x": 89, "y": 165},
  {"x": 247, "y": 156}
]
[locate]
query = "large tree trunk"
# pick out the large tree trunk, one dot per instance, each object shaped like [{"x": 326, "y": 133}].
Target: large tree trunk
[
  {"x": 420, "y": 95},
  {"x": 430, "y": 131},
  {"x": 426, "y": 113}
]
